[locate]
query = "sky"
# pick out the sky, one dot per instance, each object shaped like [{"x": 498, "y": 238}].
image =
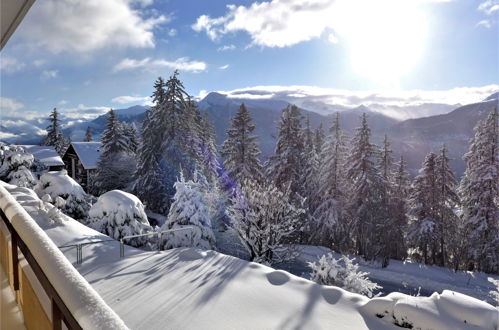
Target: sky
[{"x": 94, "y": 55}]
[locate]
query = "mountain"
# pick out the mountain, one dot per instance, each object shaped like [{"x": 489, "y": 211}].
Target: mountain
[{"x": 414, "y": 138}]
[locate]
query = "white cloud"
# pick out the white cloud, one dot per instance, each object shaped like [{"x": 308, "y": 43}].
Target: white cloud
[
  {"x": 85, "y": 26},
  {"x": 282, "y": 23},
  {"x": 225, "y": 48},
  {"x": 63, "y": 102},
  {"x": 489, "y": 6},
  {"x": 224, "y": 67},
  {"x": 182, "y": 64},
  {"x": 131, "y": 99},
  {"x": 332, "y": 38},
  {"x": 49, "y": 74},
  {"x": 10, "y": 64},
  {"x": 7, "y": 104},
  {"x": 84, "y": 112},
  {"x": 172, "y": 32},
  {"x": 39, "y": 62},
  {"x": 486, "y": 23}
]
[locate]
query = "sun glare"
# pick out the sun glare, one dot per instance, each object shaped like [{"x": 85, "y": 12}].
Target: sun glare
[{"x": 386, "y": 38}]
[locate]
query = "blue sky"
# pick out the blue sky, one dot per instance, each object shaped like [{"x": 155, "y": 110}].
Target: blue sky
[{"x": 76, "y": 55}]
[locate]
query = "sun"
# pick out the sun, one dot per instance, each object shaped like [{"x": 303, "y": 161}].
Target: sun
[{"x": 386, "y": 38}]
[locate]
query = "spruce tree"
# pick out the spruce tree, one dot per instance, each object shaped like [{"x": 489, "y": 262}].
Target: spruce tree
[
  {"x": 319, "y": 138},
  {"x": 88, "y": 135},
  {"x": 367, "y": 195},
  {"x": 330, "y": 215},
  {"x": 55, "y": 137},
  {"x": 285, "y": 168},
  {"x": 401, "y": 184},
  {"x": 240, "y": 150},
  {"x": 479, "y": 191},
  {"x": 190, "y": 213},
  {"x": 423, "y": 231}
]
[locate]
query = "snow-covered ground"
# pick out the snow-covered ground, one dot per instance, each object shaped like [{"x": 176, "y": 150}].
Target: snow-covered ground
[
  {"x": 186, "y": 288},
  {"x": 406, "y": 277}
]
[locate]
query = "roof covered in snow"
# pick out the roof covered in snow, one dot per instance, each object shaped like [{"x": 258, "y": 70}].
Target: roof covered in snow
[
  {"x": 88, "y": 153},
  {"x": 45, "y": 154}
]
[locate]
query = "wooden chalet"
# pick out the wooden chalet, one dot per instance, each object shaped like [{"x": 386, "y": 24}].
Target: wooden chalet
[{"x": 81, "y": 160}]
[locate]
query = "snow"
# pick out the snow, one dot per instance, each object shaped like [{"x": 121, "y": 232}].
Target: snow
[
  {"x": 45, "y": 154},
  {"x": 58, "y": 183},
  {"x": 88, "y": 153},
  {"x": 187, "y": 288},
  {"x": 81, "y": 299}
]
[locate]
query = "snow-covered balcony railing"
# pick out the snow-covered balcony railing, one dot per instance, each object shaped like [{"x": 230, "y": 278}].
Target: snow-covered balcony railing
[
  {"x": 73, "y": 300},
  {"x": 79, "y": 246}
]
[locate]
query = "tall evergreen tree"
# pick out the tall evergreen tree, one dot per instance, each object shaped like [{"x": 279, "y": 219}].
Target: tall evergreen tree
[
  {"x": 55, "y": 137},
  {"x": 423, "y": 231},
  {"x": 130, "y": 132},
  {"x": 479, "y": 191},
  {"x": 448, "y": 200},
  {"x": 367, "y": 195},
  {"x": 240, "y": 150},
  {"x": 285, "y": 168},
  {"x": 116, "y": 162},
  {"x": 401, "y": 184},
  {"x": 319, "y": 139},
  {"x": 330, "y": 228},
  {"x": 88, "y": 135}
]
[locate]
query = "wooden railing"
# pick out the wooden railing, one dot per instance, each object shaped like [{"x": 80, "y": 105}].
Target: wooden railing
[{"x": 60, "y": 313}]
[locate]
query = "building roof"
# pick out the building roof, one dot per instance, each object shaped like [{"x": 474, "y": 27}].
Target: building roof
[
  {"x": 88, "y": 153},
  {"x": 12, "y": 14},
  {"x": 45, "y": 154}
]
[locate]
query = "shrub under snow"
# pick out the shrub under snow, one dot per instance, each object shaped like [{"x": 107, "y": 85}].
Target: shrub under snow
[
  {"x": 15, "y": 166},
  {"x": 59, "y": 185},
  {"x": 119, "y": 214},
  {"x": 342, "y": 273}
]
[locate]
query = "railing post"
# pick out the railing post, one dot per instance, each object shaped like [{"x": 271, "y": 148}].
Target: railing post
[
  {"x": 122, "y": 248},
  {"x": 56, "y": 316},
  {"x": 159, "y": 241},
  {"x": 15, "y": 259}
]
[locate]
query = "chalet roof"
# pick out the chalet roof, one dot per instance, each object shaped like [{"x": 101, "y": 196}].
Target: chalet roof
[
  {"x": 88, "y": 153},
  {"x": 45, "y": 154}
]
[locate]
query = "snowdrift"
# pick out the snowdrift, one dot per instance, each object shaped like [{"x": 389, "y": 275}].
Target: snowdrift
[{"x": 188, "y": 288}]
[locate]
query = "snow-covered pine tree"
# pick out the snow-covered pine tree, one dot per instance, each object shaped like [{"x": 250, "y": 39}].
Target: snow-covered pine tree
[
  {"x": 319, "y": 138},
  {"x": 423, "y": 231},
  {"x": 209, "y": 153},
  {"x": 310, "y": 163},
  {"x": 401, "y": 184},
  {"x": 265, "y": 218},
  {"x": 54, "y": 133},
  {"x": 116, "y": 162},
  {"x": 330, "y": 216},
  {"x": 88, "y": 134},
  {"x": 15, "y": 166},
  {"x": 240, "y": 150},
  {"x": 448, "y": 201},
  {"x": 188, "y": 209},
  {"x": 479, "y": 192},
  {"x": 285, "y": 168},
  {"x": 148, "y": 177},
  {"x": 130, "y": 132},
  {"x": 368, "y": 194}
]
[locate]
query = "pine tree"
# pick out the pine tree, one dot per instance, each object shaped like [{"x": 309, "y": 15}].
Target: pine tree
[
  {"x": 448, "y": 200},
  {"x": 130, "y": 132},
  {"x": 310, "y": 168},
  {"x": 88, "y": 135},
  {"x": 285, "y": 168},
  {"x": 367, "y": 195},
  {"x": 188, "y": 210},
  {"x": 479, "y": 191},
  {"x": 319, "y": 139},
  {"x": 330, "y": 227},
  {"x": 116, "y": 162},
  {"x": 423, "y": 231},
  {"x": 400, "y": 191},
  {"x": 240, "y": 150},
  {"x": 55, "y": 137}
]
